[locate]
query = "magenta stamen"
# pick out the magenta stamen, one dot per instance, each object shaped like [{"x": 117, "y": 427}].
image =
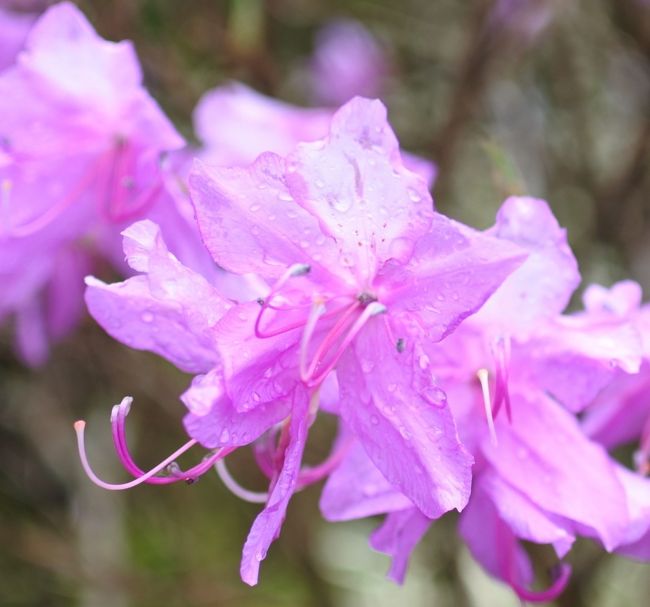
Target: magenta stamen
[
  {"x": 642, "y": 455},
  {"x": 317, "y": 310},
  {"x": 297, "y": 269},
  {"x": 369, "y": 311},
  {"x": 80, "y": 426},
  {"x": 332, "y": 336}
]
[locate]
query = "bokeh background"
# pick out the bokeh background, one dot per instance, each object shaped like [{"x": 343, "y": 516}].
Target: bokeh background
[{"x": 540, "y": 97}]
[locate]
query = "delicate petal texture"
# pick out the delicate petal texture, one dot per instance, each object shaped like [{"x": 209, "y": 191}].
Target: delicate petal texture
[
  {"x": 544, "y": 455},
  {"x": 267, "y": 524},
  {"x": 574, "y": 359},
  {"x": 619, "y": 413},
  {"x": 452, "y": 272},
  {"x": 388, "y": 399},
  {"x": 356, "y": 489},
  {"x": 344, "y": 203},
  {"x": 255, "y": 370},
  {"x": 621, "y": 299},
  {"x": 169, "y": 310},
  {"x": 544, "y": 283},
  {"x": 249, "y": 222},
  {"x": 525, "y": 519},
  {"x": 398, "y": 536},
  {"x": 492, "y": 543},
  {"x": 215, "y": 422},
  {"x": 356, "y": 184}
]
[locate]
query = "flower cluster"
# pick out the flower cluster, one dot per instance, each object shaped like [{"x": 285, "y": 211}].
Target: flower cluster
[{"x": 296, "y": 267}]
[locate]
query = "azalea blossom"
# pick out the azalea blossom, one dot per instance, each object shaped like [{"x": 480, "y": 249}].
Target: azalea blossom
[
  {"x": 81, "y": 143},
  {"x": 522, "y": 488},
  {"x": 356, "y": 272},
  {"x": 13, "y": 31}
]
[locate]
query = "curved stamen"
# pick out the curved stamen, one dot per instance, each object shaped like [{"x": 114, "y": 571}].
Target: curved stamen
[
  {"x": 80, "y": 426},
  {"x": 482, "y": 375},
  {"x": 317, "y": 310},
  {"x": 328, "y": 341},
  {"x": 248, "y": 496},
  {"x": 552, "y": 592},
  {"x": 297, "y": 269},
  {"x": 369, "y": 311}
]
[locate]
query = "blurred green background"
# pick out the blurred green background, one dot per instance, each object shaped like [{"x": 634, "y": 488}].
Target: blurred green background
[{"x": 553, "y": 101}]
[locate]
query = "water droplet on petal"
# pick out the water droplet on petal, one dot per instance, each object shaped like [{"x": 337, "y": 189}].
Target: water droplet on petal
[
  {"x": 224, "y": 436},
  {"x": 367, "y": 365},
  {"x": 434, "y": 396},
  {"x": 147, "y": 317},
  {"x": 285, "y": 196},
  {"x": 254, "y": 208},
  {"x": 414, "y": 196},
  {"x": 256, "y": 397}
]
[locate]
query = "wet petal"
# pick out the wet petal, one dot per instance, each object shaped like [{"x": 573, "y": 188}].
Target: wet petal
[
  {"x": 266, "y": 526},
  {"x": 454, "y": 269},
  {"x": 215, "y": 422},
  {"x": 400, "y": 416},
  {"x": 169, "y": 310}
]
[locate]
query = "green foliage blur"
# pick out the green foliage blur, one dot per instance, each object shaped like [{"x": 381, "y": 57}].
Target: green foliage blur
[{"x": 563, "y": 114}]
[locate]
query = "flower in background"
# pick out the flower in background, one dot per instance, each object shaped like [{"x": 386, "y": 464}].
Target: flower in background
[
  {"x": 356, "y": 273},
  {"x": 347, "y": 61},
  {"x": 81, "y": 143}
]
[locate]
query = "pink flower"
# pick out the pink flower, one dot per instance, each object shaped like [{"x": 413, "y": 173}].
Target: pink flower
[
  {"x": 347, "y": 61},
  {"x": 13, "y": 31},
  {"x": 80, "y": 155},
  {"x": 523, "y": 488},
  {"x": 357, "y": 274}
]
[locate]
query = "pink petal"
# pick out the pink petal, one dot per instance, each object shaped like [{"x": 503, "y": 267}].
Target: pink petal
[
  {"x": 169, "y": 310},
  {"x": 356, "y": 184},
  {"x": 215, "y": 422},
  {"x": 398, "y": 536},
  {"x": 266, "y": 526},
  {"x": 543, "y": 285},
  {"x": 452, "y": 272},
  {"x": 390, "y": 402},
  {"x": 545, "y": 456},
  {"x": 356, "y": 489}
]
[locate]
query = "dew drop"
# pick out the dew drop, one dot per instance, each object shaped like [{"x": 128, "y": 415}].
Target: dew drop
[
  {"x": 285, "y": 196},
  {"x": 367, "y": 365},
  {"x": 256, "y": 397},
  {"x": 434, "y": 396},
  {"x": 414, "y": 196},
  {"x": 147, "y": 317},
  {"x": 254, "y": 208},
  {"x": 224, "y": 436}
]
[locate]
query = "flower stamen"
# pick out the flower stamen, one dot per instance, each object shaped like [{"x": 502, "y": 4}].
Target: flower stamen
[
  {"x": 254, "y": 497},
  {"x": 483, "y": 376}
]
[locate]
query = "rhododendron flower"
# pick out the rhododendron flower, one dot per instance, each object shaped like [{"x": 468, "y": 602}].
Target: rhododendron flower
[
  {"x": 358, "y": 274},
  {"x": 347, "y": 61},
  {"x": 80, "y": 155},
  {"x": 523, "y": 489}
]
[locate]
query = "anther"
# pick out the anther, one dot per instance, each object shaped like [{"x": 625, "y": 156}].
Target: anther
[{"x": 400, "y": 345}]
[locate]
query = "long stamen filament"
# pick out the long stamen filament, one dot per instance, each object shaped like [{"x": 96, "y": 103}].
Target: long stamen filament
[
  {"x": 551, "y": 593},
  {"x": 482, "y": 375},
  {"x": 80, "y": 426},
  {"x": 297, "y": 269},
  {"x": 373, "y": 309},
  {"x": 248, "y": 496}
]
